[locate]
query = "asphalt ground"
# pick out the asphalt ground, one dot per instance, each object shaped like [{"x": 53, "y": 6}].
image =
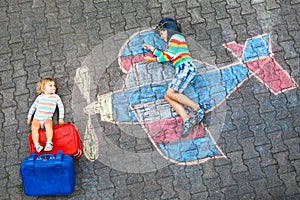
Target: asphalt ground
[{"x": 258, "y": 132}]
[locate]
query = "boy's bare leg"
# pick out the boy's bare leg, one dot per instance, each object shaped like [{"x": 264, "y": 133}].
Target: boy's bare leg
[
  {"x": 178, "y": 108},
  {"x": 35, "y": 126},
  {"x": 202, "y": 123},
  {"x": 49, "y": 130},
  {"x": 180, "y": 98}
]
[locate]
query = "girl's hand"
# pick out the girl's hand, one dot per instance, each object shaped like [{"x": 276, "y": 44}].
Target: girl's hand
[
  {"x": 150, "y": 59},
  {"x": 61, "y": 121},
  {"x": 149, "y": 47},
  {"x": 28, "y": 121}
]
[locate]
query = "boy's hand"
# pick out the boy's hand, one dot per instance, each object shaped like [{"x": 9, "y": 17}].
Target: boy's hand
[
  {"x": 150, "y": 59},
  {"x": 61, "y": 121},
  {"x": 28, "y": 121},
  {"x": 149, "y": 47}
]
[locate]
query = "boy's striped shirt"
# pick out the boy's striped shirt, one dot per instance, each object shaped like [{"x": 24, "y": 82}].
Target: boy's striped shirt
[{"x": 177, "y": 52}]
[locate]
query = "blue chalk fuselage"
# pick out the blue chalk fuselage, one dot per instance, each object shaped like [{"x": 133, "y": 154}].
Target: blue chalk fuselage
[{"x": 210, "y": 88}]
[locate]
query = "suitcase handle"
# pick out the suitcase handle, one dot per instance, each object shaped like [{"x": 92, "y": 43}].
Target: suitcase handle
[
  {"x": 56, "y": 158},
  {"x": 32, "y": 156},
  {"x": 46, "y": 157}
]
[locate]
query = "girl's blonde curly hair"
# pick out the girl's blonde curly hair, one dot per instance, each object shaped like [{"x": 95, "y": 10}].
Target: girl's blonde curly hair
[{"x": 42, "y": 83}]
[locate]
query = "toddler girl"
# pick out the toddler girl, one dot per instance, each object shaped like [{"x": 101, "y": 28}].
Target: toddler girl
[{"x": 43, "y": 109}]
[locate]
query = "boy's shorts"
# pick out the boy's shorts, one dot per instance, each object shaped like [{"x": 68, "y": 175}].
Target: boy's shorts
[{"x": 185, "y": 73}]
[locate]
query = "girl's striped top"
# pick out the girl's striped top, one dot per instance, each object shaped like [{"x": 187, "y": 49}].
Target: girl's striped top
[
  {"x": 177, "y": 52},
  {"x": 44, "y": 107}
]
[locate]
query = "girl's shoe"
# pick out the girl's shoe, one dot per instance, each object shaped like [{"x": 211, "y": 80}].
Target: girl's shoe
[
  {"x": 49, "y": 146},
  {"x": 38, "y": 147}
]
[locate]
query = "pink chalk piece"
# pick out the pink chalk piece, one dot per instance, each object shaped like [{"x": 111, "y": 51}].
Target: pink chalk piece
[
  {"x": 271, "y": 74},
  {"x": 169, "y": 130},
  {"x": 236, "y": 49},
  {"x": 128, "y": 61}
]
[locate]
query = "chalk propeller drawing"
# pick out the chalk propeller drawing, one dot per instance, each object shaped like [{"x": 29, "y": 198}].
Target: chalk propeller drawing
[{"x": 141, "y": 99}]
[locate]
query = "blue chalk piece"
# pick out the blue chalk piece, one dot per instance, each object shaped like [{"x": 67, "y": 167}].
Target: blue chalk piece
[
  {"x": 190, "y": 150},
  {"x": 233, "y": 75},
  {"x": 256, "y": 47}
]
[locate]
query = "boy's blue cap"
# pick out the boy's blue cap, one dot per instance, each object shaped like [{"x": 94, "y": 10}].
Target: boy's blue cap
[{"x": 168, "y": 23}]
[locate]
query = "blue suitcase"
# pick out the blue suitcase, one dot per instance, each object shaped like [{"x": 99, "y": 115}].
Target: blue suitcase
[{"x": 48, "y": 174}]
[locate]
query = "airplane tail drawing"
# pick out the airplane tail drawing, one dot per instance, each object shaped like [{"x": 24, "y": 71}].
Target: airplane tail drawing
[{"x": 257, "y": 56}]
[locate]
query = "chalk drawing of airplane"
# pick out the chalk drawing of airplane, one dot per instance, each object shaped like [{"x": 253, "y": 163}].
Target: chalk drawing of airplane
[{"x": 141, "y": 99}]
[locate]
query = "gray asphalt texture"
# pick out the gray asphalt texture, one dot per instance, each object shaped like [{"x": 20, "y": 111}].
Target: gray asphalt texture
[{"x": 260, "y": 136}]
